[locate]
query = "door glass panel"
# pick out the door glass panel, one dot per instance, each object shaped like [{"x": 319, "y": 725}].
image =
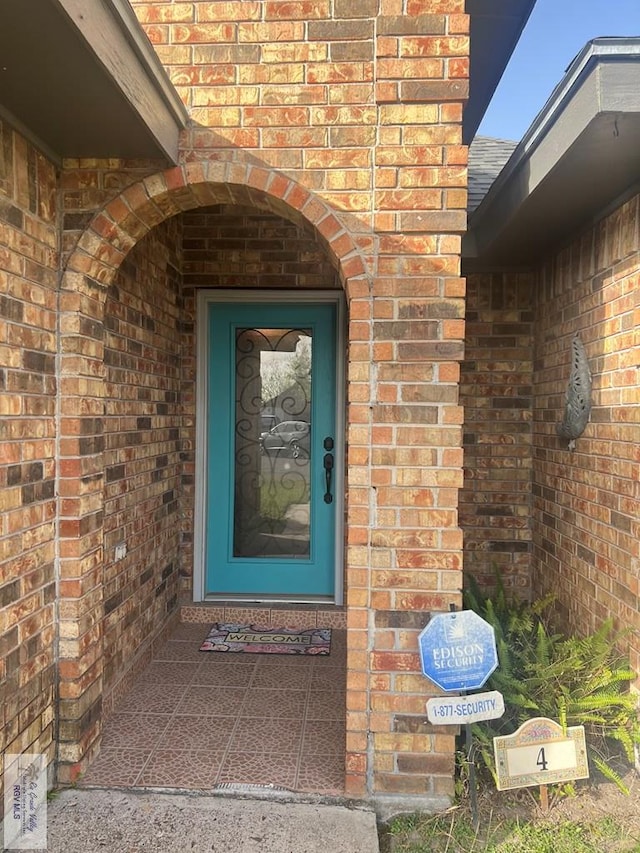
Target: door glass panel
[{"x": 272, "y": 500}]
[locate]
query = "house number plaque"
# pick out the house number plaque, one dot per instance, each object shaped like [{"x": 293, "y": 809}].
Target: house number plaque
[{"x": 540, "y": 753}]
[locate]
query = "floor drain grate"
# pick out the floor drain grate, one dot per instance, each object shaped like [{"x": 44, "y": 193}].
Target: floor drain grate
[{"x": 244, "y": 788}]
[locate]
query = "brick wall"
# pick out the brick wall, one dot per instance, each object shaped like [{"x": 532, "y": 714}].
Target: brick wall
[
  {"x": 28, "y": 302},
  {"x": 586, "y": 512},
  {"x": 288, "y": 81},
  {"x": 497, "y": 393},
  {"x": 143, "y": 449},
  {"x": 234, "y": 246},
  {"x": 87, "y": 185},
  {"x": 346, "y": 115}
]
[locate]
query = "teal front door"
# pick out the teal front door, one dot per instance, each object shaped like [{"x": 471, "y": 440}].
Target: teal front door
[{"x": 271, "y": 415}]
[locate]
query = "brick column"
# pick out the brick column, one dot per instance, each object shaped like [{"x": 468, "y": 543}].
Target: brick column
[
  {"x": 81, "y": 510},
  {"x": 417, "y": 344},
  {"x": 95, "y": 255},
  {"x": 92, "y": 266}
]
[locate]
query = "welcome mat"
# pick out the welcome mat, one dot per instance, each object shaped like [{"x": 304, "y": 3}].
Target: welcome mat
[{"x": 232, "y": 637}]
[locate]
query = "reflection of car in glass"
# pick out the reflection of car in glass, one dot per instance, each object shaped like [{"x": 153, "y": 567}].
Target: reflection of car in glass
[
  {"x": 267, "y": 422},
  {"x": 287, "y": 435}
]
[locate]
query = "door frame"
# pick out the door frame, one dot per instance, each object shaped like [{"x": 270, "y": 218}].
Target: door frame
[{"x": 205, "y": 298}]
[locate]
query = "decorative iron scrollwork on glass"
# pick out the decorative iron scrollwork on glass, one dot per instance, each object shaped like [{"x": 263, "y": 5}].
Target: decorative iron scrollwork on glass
[{"x": 272, "y": 443}]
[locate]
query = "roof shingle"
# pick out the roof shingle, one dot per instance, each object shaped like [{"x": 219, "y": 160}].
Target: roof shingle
[{"x": 487, "y": 157}]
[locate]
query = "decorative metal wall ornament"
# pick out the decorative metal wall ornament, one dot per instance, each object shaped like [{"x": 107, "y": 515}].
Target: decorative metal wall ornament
[{"x": 578, "y": 397}]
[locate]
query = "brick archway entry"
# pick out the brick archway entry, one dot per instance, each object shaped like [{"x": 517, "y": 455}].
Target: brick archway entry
[{"x": 91, "y": 269}]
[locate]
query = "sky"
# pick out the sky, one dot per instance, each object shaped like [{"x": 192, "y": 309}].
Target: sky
[{"x": 555, "y": 32}]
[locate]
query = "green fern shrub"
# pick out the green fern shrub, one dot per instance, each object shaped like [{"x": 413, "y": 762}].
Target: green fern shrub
[{"x": 573, "y": 680}]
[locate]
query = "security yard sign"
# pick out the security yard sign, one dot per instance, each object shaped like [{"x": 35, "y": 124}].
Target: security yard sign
[
  {"x": 540, "y": 753},
  {"x": 458, "y": 650},
  {"x": 460, "y": 710}
]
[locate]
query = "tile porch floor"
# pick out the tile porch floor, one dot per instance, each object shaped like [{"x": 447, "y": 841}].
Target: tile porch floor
[{"x": 205, "y": 719}]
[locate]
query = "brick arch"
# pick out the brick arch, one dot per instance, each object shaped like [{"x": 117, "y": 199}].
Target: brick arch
[
  {"x": 91, "y": 268},
  {"x": 115, "y": 229}
]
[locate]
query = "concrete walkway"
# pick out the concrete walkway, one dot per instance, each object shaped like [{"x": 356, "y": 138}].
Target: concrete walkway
[{"x": 94, "y": 821}]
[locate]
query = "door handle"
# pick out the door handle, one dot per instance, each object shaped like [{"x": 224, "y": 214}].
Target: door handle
[{"x": 328, "y": 471}]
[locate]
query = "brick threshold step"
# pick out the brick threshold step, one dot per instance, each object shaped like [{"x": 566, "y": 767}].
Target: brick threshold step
[{"x": 266, "y": 615}]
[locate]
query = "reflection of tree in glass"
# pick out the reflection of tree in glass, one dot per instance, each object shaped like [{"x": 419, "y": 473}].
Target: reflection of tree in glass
[
  {"x": 286, "y": 369},
  {"x": 301, "y": 364}
]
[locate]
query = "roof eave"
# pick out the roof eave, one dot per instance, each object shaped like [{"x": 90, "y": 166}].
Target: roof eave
[
  {"x": 82, "y": 80},
  {"x": 578, "y": 155}
]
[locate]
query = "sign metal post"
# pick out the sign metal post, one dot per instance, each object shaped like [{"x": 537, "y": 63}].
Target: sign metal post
[{"x": 458, "y": 652}]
